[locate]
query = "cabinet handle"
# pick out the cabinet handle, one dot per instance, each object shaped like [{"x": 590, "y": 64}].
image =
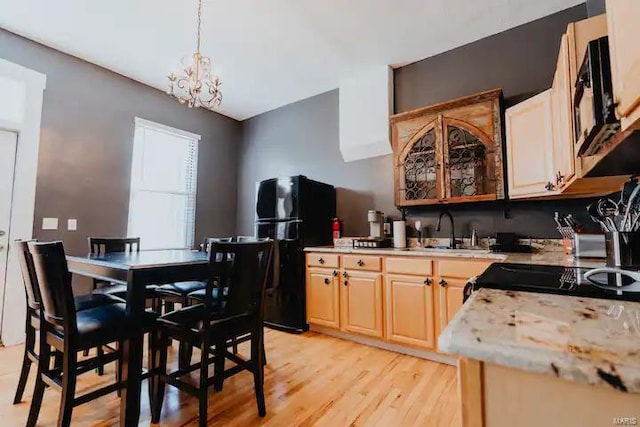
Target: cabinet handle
[
  {"x": 335, "y": 273},
  {"x": 321, "y": 260},
  {"x": 344, "y": 274},
  {"x": 327, "y": 281},
  {"x": 427, "y": 281},
  {"x": 443, "y": 283},
  {"x": 346, "y": 282},
  {"x": 559, "y": 178},
  {"x": 549, "y": 186},
  {"x": 360, "y": 263}
]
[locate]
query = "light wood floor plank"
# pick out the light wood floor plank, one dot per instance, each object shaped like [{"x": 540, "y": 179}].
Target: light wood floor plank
[{"x": 311, "y": 380}]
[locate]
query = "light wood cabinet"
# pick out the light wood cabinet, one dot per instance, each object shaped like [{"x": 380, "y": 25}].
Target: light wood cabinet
[
  {"x": 450, "y": 296},
  {"x": 323, "y": 299},
  {"x": 623, "y": 17},
  {"x": 449, "y": 152},
  {"x": 361, "y": 303},
  {"x": 410, "y": 310},
  {"x": 530, "y": 161},
  {"x": 561, "y": 105}
]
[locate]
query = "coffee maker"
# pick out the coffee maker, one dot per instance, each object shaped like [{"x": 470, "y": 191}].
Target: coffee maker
[{"x": 376, "y": 237}]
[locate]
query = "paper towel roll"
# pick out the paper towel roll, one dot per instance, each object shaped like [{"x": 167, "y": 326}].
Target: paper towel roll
[{"x": 399, "y": 234}]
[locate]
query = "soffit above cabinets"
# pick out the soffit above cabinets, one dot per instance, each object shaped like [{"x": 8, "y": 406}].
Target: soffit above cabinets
[{"x": 366, "y": 102}]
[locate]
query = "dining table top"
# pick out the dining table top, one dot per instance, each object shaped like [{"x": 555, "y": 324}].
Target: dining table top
[{"x": 143, "y": 259}]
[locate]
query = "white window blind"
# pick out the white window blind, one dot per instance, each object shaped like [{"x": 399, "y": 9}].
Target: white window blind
[{"x": 162, "y": 207}]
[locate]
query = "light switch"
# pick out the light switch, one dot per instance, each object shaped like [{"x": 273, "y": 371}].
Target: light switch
[
  {"x": 49, "y": 223},
  {"x": 72, "y": 224}
]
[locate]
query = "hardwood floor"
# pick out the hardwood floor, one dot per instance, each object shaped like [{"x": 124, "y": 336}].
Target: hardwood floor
[{"x": 311, "y": 379}]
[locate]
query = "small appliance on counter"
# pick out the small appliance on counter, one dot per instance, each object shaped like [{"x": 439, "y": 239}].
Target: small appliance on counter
[
  {"x": 508, "y": 242},
  {"x": 586, "y": 245},
  {"x": 376, "y": 237}
]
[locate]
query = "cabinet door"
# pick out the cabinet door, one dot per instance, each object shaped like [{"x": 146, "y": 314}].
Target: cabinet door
[
  {"x": 530, "y": 147},
  {"x": 409, "y": 310},
  {"x": 419, "y": 168},
  {"x": 469, "y": 162},
  {"x": 323, "y": 302},
  {"x": 623, "y": 17},
  {"x": 361, "y": 303},
  {"x": 450, "y": 295},
  {"x": 563, "y": 141}
]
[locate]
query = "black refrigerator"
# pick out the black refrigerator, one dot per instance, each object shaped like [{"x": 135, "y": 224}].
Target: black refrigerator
[{"x": 296, "y": 212}]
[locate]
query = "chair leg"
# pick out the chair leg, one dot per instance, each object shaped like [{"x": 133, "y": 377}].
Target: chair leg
[
  {"x": 68, "y": 388},
  {"x": 29, "y": 346},
  {"x": 203, "y": 391},
  {"x": 160, "y": 368},
  {"x": 38, "y": 392},
  {"x": 168, "y": 308},
  {"x": 258, "y": 366},
  {"x": 264, "y": 354},
  {"x": 235, "y": 345},
  {"x": 218, "y": 365},
  {"x": 119, "y": 367},
  {"x": 100, "y": 354}
]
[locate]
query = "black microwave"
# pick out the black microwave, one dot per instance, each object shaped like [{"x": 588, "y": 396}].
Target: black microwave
[{"x": 594, "y": 109}]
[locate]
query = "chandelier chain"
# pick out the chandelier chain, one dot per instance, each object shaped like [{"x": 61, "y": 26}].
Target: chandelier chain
[{"x": 199, "y": 24}]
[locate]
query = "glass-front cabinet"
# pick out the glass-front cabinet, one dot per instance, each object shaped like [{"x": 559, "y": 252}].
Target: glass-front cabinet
[{"x": 449, "y": 152}]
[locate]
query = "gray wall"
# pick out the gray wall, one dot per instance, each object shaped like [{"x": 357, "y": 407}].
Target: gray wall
[
  {"x": 86, "y": 145},
  {"x": 302, "y": 138}
]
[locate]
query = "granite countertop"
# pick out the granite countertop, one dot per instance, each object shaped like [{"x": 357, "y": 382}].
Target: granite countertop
[
  {"x": 545, "y": 257},
  {"x": 588, "y": 340}
]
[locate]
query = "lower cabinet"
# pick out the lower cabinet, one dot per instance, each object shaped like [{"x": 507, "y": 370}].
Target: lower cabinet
[
  {"x": 361, "y": 303},
  {"x": 450, "y": 295},
  {"x": 323, "y": 299},
  {"x": 409, "y": 310}
]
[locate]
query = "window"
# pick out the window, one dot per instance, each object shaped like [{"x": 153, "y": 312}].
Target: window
[{"x": 162, "y": 207}]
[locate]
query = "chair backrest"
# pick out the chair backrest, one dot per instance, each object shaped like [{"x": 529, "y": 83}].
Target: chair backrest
[
  {"x": 240, "y": 271},
  {"x": 28, "y": 273},
  {"x": 54, "y": 283},
  {"x": 207, "y": 241},
  {"x": 106, "y": 245}
]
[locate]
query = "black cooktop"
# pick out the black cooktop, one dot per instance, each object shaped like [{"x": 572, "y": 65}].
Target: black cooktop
[{"x": 555, "y": 280}]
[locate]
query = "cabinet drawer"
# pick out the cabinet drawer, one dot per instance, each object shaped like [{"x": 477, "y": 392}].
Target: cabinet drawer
[
  {"x": 462, "y": 269},
  {"x": 362, "y": 262},
  {"x": 323, "y": 260},
  {"x": 409, "y": 265}
]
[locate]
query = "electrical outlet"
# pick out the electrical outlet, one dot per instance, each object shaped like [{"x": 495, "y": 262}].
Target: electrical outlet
[
  {"x": 49, "y": 223},
  {"x": 72, "y": 224}
]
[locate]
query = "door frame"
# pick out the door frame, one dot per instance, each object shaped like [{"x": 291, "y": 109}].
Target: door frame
[{"x": 12, "y": 297}]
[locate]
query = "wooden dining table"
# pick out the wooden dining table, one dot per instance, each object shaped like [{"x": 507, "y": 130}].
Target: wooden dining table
[{"x": 136, "y": 270}]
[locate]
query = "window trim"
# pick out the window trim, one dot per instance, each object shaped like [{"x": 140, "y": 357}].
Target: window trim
[{"x": 190, "y": 136}]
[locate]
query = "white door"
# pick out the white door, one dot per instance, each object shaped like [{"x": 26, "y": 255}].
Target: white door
[{"x": 8, "y": 145}]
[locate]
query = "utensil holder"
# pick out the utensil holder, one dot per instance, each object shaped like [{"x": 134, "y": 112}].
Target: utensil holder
[{"x": 623, "y": 249}]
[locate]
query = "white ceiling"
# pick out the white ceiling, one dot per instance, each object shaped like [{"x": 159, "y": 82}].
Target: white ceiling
[{"x": 268, "y": 53}]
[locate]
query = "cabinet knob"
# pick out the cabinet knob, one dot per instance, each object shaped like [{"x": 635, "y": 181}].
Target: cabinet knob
[
  {"x": 443, "y": 283},
  {"x": 321, "y": 260},
  {"x": 335, "y": 273},
  {"x": 549, "y": 186},
  {"x": 344, "y": 274},
  {"x": 360, "y": 263},
  {"x": 346, "y": 282},
  {"x": 559, "y": 178},
  {"x": 327, "y": 281},
  {"x": 427, "y": 281}
]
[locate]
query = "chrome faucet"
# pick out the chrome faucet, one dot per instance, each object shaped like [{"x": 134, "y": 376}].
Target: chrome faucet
[{"x": 452, "y": 244}]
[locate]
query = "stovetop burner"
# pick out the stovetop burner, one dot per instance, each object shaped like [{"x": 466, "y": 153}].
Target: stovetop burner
[{"x": 557, "y": 280}]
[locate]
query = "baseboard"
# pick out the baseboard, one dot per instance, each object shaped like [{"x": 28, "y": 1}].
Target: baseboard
[{"x": 423, "y": 354}]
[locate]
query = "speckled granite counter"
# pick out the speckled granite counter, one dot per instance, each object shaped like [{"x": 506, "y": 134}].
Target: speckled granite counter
[
  {"x": 548, "y": 258},
  {"x": 593, "y": 341}
]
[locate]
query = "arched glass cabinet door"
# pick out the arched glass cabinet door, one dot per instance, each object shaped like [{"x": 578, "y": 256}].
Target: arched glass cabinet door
[
  {"x": 419, "y": 169},
  {"x": 469, "y": 161}
]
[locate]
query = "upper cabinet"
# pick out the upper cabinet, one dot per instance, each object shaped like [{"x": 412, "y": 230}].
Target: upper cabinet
[
  {"x": 623, "y": 17},
  {"x": 449, "y": 152},
  {"x": 530, "y": 147}
]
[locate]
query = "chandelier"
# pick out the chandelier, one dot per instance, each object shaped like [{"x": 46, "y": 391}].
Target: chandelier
[{"x": 194, "y": 84}]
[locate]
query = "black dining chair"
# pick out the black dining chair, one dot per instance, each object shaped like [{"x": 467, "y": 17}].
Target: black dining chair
[
  {"x": 32, "y": 324},
  {"x": 234, "y": 307},
  {"x": 69, "y": 332},
  {"x": 178, "y": 293},
  {"x": 107, "y": 245}
]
